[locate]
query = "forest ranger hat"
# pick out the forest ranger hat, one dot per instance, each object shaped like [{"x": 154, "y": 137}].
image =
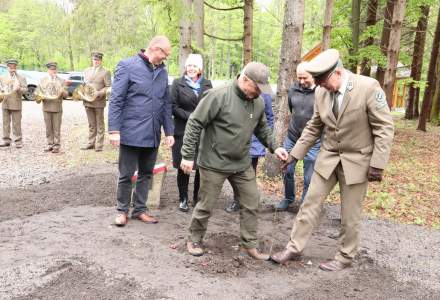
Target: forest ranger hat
[
  {"x": 11, "y": 62},
  {"x": 323, "y": 64},
  {"x": 98, "y": 55},
  {"x": 51, "y": 64}
]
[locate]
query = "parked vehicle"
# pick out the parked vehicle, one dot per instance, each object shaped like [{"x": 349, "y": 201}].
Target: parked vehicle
[{"x": 73, "y": 80}]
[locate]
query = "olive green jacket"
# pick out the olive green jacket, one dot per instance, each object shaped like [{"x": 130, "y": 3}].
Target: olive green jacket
[{"x": 224, "y": 122}]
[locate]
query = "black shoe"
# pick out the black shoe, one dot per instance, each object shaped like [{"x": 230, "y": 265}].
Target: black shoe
[
  {"x": 183, "y": 206},
  {"x": 233, "y": 207}
]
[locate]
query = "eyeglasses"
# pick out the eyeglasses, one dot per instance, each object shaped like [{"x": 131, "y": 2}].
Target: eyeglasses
[
  {"x": 163, "y": 52},
  {"x": 321, "y": 79}
]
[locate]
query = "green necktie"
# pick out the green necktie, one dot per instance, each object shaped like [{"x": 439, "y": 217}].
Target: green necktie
[{"x": 335, "y": 108}]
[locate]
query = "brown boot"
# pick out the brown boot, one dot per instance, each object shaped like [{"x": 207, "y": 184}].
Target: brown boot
[
  {"x": 284, "y": 256},
  {"x": 333, "y": 265},
  {"x": 121, "y": 220},
  {"x": 48, "y": 148},
  {"x": 146, "y": 218},
  {"x": 87, "y": 147},
  {"x": 254, "y": 253},
  {"x": 194, "y": 248},
  {"x": 4, "y": 144}
]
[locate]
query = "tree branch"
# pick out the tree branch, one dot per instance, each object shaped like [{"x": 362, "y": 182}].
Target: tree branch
[
  {"x": 218, "y": 8},
  {"x": 224, "y": 39}
]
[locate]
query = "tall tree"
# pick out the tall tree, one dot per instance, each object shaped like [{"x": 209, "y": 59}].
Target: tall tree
[
  {"x": 412, "y": 108},
  {"x": 185, "y": 33},
  {"x": 371, "y": 21},
  {"x": 199, "y": 24},
  {"x": 435, "y": 110},
  {"x": 247, "y": 30},
  {"x": 290, "y": 57},
  {"x": 385, "y": 38},
  {"x": 430, "y": 88},
  {"x": 327, "y": 28},
  {"x": 355, "y": 30},
  {"x": 393, "y": 49}
]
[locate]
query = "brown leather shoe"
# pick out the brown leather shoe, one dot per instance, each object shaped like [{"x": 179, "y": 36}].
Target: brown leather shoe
[
  {"x": 49, "y": 148},
  {"x": 194, "y": 248},
  {"x": 55, "y": 150},
  {"x": 146, "y": 218},
  {"x": 18, "y": 145},
  {"x": 333, "y": 265},
  {"x": 121, "y": 220},
  {"x": 5, "y": 144},
  {"x": 87, "y": 147},
  {"x": 98, "y": 150},
  {"x": 255, "y": 253},
  {"x": 284, "y": 256}
]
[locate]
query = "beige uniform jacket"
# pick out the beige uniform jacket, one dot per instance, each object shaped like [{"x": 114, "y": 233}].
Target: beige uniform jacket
[
  {"x": 13, "y": 102},
  {"x": 101, "y": 81},
  {"x": 360, "y": 138},
  {"x": 53, "y": 105}
]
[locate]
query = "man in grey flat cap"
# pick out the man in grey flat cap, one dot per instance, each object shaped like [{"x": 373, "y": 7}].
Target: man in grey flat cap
[
  {"x": 224, "y": 122},
  {"x": 100, "y": 78},
  {"x": 352, "y": 112},
  {"x": 11, "y": 104}
]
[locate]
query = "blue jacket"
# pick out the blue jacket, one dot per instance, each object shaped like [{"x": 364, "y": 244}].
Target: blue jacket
[
  {"x": 139, "y": 103},
  {"x": 257, "y": 149}
]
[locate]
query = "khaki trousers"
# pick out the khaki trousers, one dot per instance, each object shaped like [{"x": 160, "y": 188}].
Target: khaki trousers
[
  {"x": 95, "y": 117},
  {"x": 53, "y": 128},
  {"x": 245, "y": 186},
  {"x": 351, "y": 214},
  {"x": 15, "y": 117}
]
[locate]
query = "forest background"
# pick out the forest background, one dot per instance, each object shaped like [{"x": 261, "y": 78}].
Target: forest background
[{"x": 375, "y": 37}]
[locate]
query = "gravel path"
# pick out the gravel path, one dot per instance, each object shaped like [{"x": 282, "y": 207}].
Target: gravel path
[{"x": 31, "y": 166}]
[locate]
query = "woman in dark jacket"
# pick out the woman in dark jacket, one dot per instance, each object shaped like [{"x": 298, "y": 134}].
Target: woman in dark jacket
[{"x": 186, "y": 92}]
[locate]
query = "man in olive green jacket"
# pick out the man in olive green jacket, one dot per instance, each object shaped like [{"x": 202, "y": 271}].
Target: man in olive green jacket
[
  {"x": 224, "y": 122},
  {"x": 53, "y": 108},
  {"x": 100, "y": 79},
  {"x": 11, "y": 105}
]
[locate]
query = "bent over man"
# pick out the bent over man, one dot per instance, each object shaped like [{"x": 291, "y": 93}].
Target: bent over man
[
  {"x": 224, "y": 122},
  {"x": 358, "y": 129}
]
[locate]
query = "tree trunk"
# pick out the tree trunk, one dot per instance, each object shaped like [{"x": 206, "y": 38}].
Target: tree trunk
[
  {"x": 417, "y": 63},
  {"x": 247, "y": 32},
  {"x": 327, "y": 28},
  {"x": 393, "y": 50},
  {"x": 430, "y": 88},
  {"x": 355, "y": 21},
  {"x": 290, "y": 57},
  {"x": 199, "y": 24},
  {"x": 435, "y": 110},
  {"x": 371, "y": 21},
  {"x": 185, "y": 34},
  {"x": 70, "y": 49},
  {"x": 384, "y": 41}
]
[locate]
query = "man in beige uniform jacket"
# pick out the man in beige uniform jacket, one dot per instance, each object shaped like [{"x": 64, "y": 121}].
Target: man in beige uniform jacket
[
  {"x": 100, "y": 79},
  {"x": 11, "y": 105},
  {"x": 53, "y": 108},
  {"x": 352, "y": 112}
]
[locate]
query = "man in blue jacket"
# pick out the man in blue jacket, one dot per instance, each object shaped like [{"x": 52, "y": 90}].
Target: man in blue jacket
[{"x": 139, "y": 107}]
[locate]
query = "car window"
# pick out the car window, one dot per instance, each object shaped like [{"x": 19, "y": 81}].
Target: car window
[
  {"x": 76, "y": 78},
  {"x": 3, "y": 70}
]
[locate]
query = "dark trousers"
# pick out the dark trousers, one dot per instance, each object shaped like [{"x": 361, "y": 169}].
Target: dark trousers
[
  {"x": 130, "y": 159},
  {"x": 183, "y": 182}
]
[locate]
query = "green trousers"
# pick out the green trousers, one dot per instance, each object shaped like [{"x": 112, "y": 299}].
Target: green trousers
[
  {"x": 351, "y": 214},
  {"x": 245, "y": 186}
]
